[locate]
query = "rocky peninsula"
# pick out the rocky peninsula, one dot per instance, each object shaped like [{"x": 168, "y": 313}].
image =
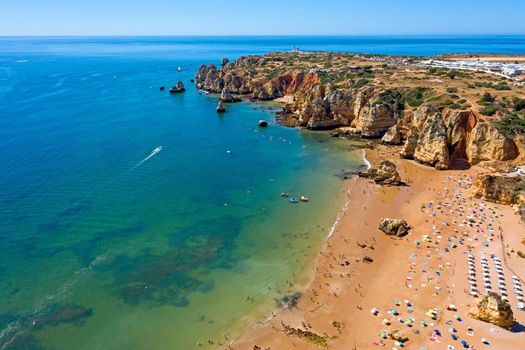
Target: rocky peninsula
[
  {"x": 447, "y": 146},
  {"x": 438, "y": 116}
]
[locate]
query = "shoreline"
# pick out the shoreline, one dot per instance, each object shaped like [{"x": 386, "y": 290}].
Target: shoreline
[{"x": 335, "y": 303}]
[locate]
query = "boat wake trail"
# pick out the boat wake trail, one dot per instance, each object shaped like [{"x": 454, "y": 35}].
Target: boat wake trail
[{"x": 153, "y": 153}]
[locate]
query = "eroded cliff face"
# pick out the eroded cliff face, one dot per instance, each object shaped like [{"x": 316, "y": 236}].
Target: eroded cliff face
[
  {"x": 382, "y": 111},
  {"x": 487, "y": 144},
  {"x": 430, "y": 134},
  {"x": 499, "y": 188},
  {"x": 438, "y": 137}
]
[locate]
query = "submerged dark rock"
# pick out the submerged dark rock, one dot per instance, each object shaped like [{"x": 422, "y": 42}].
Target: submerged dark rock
[
  {"x": 56, "y": 314},
  {"x": 289, "y": 301},
  {"x": 169, "y": 278}
]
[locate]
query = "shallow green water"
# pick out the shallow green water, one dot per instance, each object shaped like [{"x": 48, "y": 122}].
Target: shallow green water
[{"x": 105, "y": 249}]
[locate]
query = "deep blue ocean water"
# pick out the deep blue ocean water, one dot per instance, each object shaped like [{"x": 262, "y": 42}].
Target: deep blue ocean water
[{"x": 108, "y": 246}]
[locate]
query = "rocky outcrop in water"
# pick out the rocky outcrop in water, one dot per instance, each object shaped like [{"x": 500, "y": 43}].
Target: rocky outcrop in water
[
  {"x": 394, "y": 227},
  {"x": 493, "y": 309},
  {"x": 220, "y": 107},
  {"x": 178, "y": 88}
]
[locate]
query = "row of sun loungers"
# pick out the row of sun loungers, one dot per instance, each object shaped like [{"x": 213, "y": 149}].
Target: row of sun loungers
[{"x": 487, "y": 286}]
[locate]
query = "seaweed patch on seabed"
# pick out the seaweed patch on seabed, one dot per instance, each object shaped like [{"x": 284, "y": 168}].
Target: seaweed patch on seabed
[
  {"x": 84, "y": 250},
  {"x": 166, "y": 279},
  {"x": 15, "y": 330},
  {"x": 73, "y": 211}
]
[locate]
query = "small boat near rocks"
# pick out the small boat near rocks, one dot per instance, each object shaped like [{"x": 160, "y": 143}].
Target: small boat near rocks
[{"x": 263, "y": 123}]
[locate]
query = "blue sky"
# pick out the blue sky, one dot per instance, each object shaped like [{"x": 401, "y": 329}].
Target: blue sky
[{"x": 262, "y": 17}]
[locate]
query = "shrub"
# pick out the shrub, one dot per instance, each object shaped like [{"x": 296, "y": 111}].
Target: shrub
[
  {"x": 487, "y": 97},
  {"x": 394, "y": 97},
  {"x": 416, "y": 96},
  {"x": 501, "y": 86},
  {"x": 488, "y": 110},
  {"x": 360, "y": 83},
  {"x": 452, "y": 90},
  {"x": 511, "y": 124},
  {"x": 519, "y": 104}
]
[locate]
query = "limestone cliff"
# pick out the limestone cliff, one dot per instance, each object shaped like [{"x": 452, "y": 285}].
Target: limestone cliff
[
  {"x": 499, "y": 188},
  {"x": 438, "y": 137},
  {"x": 429, "y": 130},
  {"x": 487, "y": 144}
]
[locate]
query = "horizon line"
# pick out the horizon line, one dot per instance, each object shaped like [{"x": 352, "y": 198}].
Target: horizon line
[{"x": 257, "y": 35}]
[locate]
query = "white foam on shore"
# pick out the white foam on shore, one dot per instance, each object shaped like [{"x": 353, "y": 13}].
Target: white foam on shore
[
  {"x": 342, "y": 213},
  {"x": 344, "y": 209},
  {"x": 365, "y": 160}
]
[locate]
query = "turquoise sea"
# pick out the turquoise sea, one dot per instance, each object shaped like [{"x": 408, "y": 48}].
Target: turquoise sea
[{"x": 106, "y": 244}]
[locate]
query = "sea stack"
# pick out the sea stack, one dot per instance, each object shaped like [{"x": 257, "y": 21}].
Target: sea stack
[
  {"x": 178, "y": 88},
  {"x": 220, "y": 107}
]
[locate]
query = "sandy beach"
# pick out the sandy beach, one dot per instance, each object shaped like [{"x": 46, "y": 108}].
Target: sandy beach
[{"x": 417, "y": 284}]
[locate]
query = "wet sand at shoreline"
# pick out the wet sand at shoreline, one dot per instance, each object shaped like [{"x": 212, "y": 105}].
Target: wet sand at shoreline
[{"x": 407, "y": 276}]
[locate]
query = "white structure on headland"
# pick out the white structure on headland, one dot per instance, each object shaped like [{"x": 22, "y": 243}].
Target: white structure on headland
[
  {"x": 507, "y": 70},
  {"x": 513, "y": 69}
]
